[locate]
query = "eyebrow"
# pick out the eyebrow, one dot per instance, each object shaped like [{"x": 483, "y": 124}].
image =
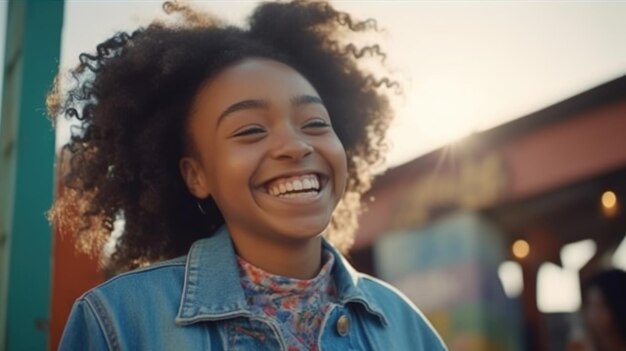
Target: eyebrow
[
  {"x": 306, "y": 99},
  {"x": 243, "y": 105},
  {"x": 252, "y": 104}
]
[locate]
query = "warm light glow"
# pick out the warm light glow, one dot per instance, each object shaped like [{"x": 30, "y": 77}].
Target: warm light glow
[
  {"x": 118, "y": 229},
  {"x": 558, "y": 289},
  {"x": 510, "y": 273},
  {"x": 609, "y": 200},
  {"x": 619, "y": 256},
  {"x": 521, "y": 248},
  {"x": 576, "y": 255}
]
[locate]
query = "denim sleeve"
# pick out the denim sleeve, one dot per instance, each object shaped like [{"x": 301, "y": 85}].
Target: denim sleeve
[{"x": 83, "y": 330}]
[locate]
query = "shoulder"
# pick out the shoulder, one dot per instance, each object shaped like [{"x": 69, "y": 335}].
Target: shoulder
[
  {"x": 160, "y": 275},
  {"x": 386, "y": 296},
  {"x": 399, "y": 312},
  {"x": 159, "y": 284},
  {"x": 105, "y": 316}
]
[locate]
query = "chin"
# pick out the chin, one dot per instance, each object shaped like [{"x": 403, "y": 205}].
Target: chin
[{"x": 302, "y": 231}]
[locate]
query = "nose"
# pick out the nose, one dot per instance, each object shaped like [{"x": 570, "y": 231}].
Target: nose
[{"x": 290, "y": 145}]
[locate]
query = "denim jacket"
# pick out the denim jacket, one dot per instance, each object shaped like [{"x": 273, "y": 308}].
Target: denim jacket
[{"x": 196, "y": 302}]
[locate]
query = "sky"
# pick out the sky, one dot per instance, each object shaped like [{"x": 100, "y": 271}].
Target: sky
[{"x": 466, "y": 66}]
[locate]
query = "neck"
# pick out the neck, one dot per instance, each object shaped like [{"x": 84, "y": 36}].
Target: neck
[{"x": 300, "y": 259}]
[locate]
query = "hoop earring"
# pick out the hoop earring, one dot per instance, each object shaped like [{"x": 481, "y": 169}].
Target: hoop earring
[{"x": 200, "y": 208}]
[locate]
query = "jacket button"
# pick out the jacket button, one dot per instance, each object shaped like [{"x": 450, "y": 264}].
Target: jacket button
[{"x": 343, "y": 325}]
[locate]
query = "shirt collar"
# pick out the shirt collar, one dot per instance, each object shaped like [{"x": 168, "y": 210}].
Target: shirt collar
[{"x": 212, "y": 289}]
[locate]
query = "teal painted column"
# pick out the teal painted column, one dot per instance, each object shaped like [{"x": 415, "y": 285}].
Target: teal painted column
[{"x": 27, "y": 178}]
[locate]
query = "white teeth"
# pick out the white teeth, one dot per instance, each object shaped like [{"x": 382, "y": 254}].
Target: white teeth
[
  {"x": 301, "y": 185},
  {"x": 306, "y": 184},
  {"x": 297, "y": 185},
  {"x": 299, "y": 195}
]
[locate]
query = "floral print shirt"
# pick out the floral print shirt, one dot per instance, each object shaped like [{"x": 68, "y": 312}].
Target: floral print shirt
[{"x": 298, "y": 306}]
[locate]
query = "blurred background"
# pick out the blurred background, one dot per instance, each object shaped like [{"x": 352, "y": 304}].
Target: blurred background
[{"x": 503, "y": 191}]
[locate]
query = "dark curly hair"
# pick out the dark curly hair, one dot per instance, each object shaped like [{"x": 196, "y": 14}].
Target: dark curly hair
[{"x": 132, "y": 98}]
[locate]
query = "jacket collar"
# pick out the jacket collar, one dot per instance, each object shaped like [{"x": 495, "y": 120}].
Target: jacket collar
[{"x": 212, "y": 289}]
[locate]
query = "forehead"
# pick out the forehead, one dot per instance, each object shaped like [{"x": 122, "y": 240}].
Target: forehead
[{"x": 253, "y": 78}]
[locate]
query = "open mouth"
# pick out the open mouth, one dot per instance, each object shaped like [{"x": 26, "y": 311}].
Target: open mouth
[{"x": 301, "y": 186}]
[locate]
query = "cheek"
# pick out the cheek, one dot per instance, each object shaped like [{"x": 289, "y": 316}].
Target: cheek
[
  {"x": 339, "y": 162},
  {"x": 230, "y": 182},
  {"x": 230, "y": 169}
]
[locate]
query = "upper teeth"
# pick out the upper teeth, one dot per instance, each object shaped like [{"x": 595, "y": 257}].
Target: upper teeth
[{"x": 298, "y": 183}]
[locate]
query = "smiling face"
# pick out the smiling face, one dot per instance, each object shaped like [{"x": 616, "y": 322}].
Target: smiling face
[{"x": 265, "y": 152}]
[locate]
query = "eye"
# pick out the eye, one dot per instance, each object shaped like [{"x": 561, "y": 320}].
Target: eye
[
  {"x": 247, "y": 131},
  {"x": 316, "y": 124}
]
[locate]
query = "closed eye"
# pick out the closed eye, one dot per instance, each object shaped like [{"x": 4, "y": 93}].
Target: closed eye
[
  {"x": 317, "y": 123},
  {"x": 248, "y": 131}
]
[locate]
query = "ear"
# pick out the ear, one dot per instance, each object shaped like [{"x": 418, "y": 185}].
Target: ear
[{"x": 194, "y": 177}]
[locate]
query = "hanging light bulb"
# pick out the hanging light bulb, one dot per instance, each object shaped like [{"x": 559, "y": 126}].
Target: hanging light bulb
[
  {"x": 610, "y": 203},
  {"x": 521, "y": 248}
]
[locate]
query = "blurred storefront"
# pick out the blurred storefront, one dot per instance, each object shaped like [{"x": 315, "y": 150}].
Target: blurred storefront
[{"x": 492, "y": 235}]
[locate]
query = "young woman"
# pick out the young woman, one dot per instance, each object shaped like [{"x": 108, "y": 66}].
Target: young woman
[{"x": 236, "y": 158}]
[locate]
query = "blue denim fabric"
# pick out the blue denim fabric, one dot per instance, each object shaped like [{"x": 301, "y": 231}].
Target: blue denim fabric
[{"x": 196, "y": 302}]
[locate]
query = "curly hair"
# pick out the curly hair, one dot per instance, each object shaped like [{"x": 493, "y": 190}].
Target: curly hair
[{"x": 132, "y": 99}]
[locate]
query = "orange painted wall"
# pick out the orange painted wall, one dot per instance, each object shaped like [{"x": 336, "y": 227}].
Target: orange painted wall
[{"x": 72, "y": 274}]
